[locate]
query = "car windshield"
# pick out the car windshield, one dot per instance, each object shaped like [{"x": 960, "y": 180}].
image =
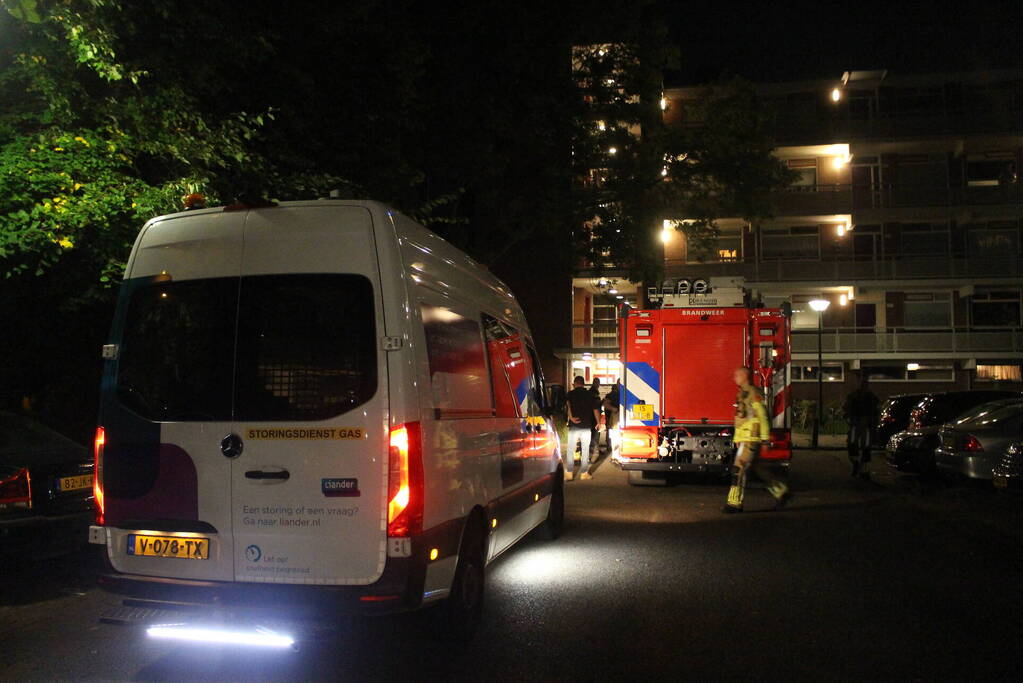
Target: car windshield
[{"x": 20, "y": 435}]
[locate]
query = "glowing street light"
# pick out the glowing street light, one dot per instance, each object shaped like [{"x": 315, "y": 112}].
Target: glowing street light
[
  {"x": 819, "y": 305},
  {"x": 836, "y": 94}
]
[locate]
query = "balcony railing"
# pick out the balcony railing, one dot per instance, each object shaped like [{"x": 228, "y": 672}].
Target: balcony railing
[
  {"x": 846, "y": 198},
  {"x": 901, "y": 340},
  {"x": 595, "y": 335},
  {"x": 851, "y": 269}
]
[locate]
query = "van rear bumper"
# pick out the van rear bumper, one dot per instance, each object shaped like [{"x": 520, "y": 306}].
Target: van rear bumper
[{"x": 399, "y": 588}]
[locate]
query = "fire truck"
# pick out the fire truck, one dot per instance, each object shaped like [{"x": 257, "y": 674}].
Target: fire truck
[{"x": 677, "y": 397}]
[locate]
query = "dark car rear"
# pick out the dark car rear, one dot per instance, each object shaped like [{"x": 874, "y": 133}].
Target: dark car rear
[
  {"x": 894, "y": 416},
  {"x": 46, "y": 497},
  {"x": 912, "y": 450}
]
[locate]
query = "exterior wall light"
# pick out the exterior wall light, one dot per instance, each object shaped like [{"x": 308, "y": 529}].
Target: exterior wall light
[{"x": 836, "y": 94}]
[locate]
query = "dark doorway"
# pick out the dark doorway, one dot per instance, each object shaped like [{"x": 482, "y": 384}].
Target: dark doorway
[{"x": 866, "y": 317}]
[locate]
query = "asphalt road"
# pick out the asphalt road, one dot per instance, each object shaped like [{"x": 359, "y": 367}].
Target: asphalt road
[{"x": 853, "y": 581}]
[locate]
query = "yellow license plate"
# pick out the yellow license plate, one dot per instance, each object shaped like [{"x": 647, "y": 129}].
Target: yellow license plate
[
  {"x": 190, "y": 548},
  {"x": 82, "y": 481},
  {"x": 643, "y": 412}
]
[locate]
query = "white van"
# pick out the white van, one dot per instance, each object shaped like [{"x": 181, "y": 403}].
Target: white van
[{"x": 317, "y": 404}]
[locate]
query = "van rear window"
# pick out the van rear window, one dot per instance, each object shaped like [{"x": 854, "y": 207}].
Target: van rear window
[{"x": 259, "y": 348}]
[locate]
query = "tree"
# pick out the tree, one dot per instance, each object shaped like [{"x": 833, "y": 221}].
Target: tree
[{"x": 634, "y": 172}]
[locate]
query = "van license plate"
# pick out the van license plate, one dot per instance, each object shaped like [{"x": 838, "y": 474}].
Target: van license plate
[
  {"x": 82, "y": 481},
  {"x": 643, "y": 411},
  {"x": 169, "y": 546}
]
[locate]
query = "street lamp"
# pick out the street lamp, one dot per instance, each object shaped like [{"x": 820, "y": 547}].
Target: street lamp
[{"x": 819, "y": 305}]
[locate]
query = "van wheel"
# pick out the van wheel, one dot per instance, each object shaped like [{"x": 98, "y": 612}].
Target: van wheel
[
  {"x": 555, "y": 523},
  {"x": 460, "y": 614},
  {"x": 641, "y": 478}
]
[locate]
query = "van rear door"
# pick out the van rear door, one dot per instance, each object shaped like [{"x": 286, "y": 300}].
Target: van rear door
[
  {"x": 167, "y": 401},
  {"x": 308, "y": 488}
]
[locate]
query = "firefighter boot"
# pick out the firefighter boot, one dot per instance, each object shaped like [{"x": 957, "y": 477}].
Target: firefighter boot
[
  {"x": 735, "y": 493},
  {"x": 781, "y": 493}
]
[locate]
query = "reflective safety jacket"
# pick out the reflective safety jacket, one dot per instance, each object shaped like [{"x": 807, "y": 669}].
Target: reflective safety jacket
[{"x": 750, "y": 416}]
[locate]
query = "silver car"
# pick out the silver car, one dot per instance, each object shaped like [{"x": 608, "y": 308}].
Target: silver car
[{"x": 974, "y": 443}]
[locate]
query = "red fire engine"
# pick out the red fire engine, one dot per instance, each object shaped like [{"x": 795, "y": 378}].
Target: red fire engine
[{"x": 677, "y": 396}]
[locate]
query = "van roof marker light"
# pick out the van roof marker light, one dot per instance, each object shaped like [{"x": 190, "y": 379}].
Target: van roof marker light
[{"x": 260, "y": 637}]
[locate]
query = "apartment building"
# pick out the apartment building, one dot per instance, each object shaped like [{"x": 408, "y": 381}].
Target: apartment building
[{"x": 906, "y": 216}]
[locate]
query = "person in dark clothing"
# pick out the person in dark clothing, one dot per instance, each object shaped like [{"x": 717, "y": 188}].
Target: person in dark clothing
[
  {"x": 583, "y": 415},
  {"x": 594, "y": 433},
  {"x": 860, "y": 410},
  {"x": 611, "y": 412}
]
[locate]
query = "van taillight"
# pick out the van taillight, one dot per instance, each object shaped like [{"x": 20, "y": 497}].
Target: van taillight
[
  {"x": 16, "y": 490},
  {"x": 405, "y": 481},
  {"x": 916, "y": 419},
  {"x": 97, "y": 474}
]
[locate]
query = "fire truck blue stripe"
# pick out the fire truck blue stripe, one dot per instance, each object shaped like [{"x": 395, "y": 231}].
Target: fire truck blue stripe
[
  {"x": 646, "y": 373},
  {"x": 630, "y": 400}
]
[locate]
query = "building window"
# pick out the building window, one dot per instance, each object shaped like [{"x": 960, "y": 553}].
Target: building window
[
  {"x": 803, "y": 317},
  {"x": 605, "y": 322},
  {"x": 800, "y": 243},
  {"x": 721, "y": 249},
  {"x": 923, "y": 239},
  {"x": 911, "y": 372},
  {"x": 806, "y": 170},
  {"x": 998, "y": 240},
  {"x": 991, "y": 169},
  {"x": 927, "y": 310},
  {"x": 808, "y": 373},
  {"x": 999, "y": 373},
  {"x": 996, "y": 308}
]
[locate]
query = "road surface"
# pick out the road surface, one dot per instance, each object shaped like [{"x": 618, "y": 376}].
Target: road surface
[{"x": 853, "y": 581}]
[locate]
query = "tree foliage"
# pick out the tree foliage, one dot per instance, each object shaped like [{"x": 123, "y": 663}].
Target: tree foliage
[
  {"x": 467, "y": 116},
  {"x": 634, "y": 172}
]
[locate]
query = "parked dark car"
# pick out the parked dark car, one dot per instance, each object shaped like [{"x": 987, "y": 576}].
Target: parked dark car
[
  {"x": 46, "y": 498},
  {"x": 1008, "y": 473},
  {"x": 894, "y": 416},
  {"x": 912, "y": 450},
  {"x": 972, "y": 444}
]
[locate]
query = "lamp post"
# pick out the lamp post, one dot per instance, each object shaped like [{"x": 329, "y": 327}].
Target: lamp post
[{"x": 819, "y": 305}]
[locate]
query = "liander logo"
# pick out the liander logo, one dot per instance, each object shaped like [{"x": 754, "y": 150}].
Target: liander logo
[{"x": 341, "y": 488}]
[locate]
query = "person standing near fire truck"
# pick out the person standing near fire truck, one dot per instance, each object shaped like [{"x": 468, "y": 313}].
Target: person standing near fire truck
[
  {"x": 752, "y": 432},
  {"x": 583, "y": 418}
]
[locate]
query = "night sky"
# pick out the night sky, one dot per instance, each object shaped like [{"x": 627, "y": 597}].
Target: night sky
[{"x": 780, "y": 41}]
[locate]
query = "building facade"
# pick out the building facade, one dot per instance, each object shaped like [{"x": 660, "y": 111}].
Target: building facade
[{"x": 906, "y": 215}]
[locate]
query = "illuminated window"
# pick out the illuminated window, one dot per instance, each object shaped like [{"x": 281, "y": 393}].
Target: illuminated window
[
  {"x": 725, "y": 248},
  {"x": 1000, "y": 373}
]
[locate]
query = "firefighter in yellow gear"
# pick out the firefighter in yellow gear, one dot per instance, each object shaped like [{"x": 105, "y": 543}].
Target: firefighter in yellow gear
[{"x": 752, "y": 433}]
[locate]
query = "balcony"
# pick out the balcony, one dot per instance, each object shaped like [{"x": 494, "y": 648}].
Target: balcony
[
  {"x": 595, "y": 335},
  {"x": 852, "y": 269},
  {"x": 844, "y": 198},
  {"x": 819, "y": 201},
  {"x": 888, "y": 341}
]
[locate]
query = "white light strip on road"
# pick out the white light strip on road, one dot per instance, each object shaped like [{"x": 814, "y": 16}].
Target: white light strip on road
[{"x": 212, "y": 635}]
